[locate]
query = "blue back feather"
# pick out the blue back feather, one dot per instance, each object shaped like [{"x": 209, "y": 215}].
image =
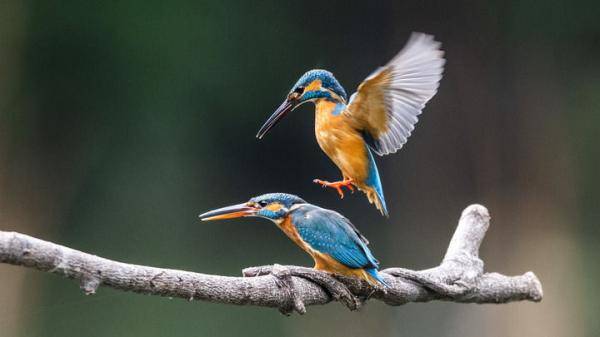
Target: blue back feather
[
  {"x": 339, "y": 108},
  {"x": 330, "y": 233}
]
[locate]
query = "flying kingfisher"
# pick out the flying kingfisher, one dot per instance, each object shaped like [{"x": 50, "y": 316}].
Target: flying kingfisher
[
  {"x": 329, "y": 238},
  {"x": 378, "y": 118}
]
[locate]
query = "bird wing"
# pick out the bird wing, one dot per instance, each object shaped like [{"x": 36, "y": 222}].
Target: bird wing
[
  {"x": 386, "y": 105},
  {"x": 329, "y": 232}
]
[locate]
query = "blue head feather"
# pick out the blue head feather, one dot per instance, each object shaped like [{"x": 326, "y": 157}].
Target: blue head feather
[
  {"x": 287, "y": 200},
  {"x": 327, "y": 81}
]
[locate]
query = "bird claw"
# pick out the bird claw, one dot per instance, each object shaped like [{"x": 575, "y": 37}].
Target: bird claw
[
  {"x": 285, "y": 282},
  {"x": 337, "y": 185},
  {"x": 283, "y": 274}
]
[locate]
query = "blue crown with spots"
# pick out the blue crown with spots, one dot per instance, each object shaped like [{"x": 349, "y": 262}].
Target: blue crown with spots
[
  {"x": 283, "y": 198},
  {"x": 327, "y": 81}
]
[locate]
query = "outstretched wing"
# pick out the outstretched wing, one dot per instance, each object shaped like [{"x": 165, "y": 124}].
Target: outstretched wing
[
  {"x": 387, "y": 103},
  {"x": 329, "y": 232}
]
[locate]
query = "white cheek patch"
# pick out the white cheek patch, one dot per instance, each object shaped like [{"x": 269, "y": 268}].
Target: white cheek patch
[{"x": 295, "y": 207}]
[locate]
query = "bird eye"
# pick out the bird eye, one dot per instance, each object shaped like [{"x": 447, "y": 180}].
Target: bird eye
[
  {"x": 299, "y": 90},
  {"x": 263, "y": 203}
]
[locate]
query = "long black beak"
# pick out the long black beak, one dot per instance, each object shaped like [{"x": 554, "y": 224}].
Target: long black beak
[
  {"x": 229, "y": 212},
  {"x": 284, "y": 108}
]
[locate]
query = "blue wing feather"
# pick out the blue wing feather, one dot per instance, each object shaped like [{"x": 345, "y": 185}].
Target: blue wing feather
[{"x": 329, "y": 232}]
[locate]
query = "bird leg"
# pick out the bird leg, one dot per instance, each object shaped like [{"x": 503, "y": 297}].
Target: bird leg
[
  {"x": 336, "y": 289},
  {"x": 347, "y": 182}
]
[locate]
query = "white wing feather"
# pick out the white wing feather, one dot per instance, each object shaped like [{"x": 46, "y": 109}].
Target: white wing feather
[{"x": 414, "y": 76}]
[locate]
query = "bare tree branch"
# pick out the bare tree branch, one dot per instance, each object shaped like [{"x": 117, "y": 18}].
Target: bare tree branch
[{"x": 459, "y": 278}]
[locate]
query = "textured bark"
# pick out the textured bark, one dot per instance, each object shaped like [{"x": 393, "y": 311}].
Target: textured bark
[{"x": 459, "y": 278}]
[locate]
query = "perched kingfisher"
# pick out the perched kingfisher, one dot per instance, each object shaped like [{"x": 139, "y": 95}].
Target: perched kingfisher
[
  {"x": 329, "y": 238},
  {"x": 379, "y": 117}
]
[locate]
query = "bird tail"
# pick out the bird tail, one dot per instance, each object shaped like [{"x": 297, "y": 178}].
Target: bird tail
[
  {"x": 373, "y": 188},
  {"x": 376, "y": 197},
  {"x": 374, "y": 274}
]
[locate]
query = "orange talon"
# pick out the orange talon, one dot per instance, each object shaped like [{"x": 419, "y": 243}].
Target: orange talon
[{"x": 337, "y": 185}]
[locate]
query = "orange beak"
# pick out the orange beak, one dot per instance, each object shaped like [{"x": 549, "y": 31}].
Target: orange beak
[{"x": 229, "y": 212}]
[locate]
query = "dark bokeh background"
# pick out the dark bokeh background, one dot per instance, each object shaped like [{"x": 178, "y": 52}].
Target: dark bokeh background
[{"x": 120, "y": 122}]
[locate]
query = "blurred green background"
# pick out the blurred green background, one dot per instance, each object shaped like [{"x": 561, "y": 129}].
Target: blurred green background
[{"x": 121, "y": 121}]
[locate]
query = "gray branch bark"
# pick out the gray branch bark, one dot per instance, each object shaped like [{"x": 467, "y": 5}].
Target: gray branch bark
[{"x": 459, "y": 278}]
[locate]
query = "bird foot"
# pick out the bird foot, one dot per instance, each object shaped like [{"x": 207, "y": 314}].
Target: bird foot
[
  {"x": 284, "y": 281},
  {"x": 337, "y": 185},
  {"x": 283, "y": 275}
]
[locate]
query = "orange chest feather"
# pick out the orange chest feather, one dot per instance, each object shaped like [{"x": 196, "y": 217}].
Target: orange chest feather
[{"x": 340, "y": 140}]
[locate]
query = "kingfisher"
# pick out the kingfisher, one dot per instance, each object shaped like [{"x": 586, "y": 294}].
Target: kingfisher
[
  {"x": 333, "y": 242},
  {"x": 378, "y": 118}
]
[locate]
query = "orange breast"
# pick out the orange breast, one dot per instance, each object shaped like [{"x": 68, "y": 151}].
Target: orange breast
[{"x": 340, "y": 141}]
